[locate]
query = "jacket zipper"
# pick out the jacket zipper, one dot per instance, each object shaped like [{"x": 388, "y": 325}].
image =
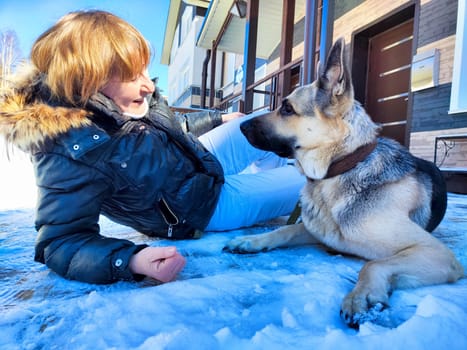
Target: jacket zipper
[{"x": 169, "y": 216}]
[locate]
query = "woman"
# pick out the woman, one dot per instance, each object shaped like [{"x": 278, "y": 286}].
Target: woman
[{"x": 103, "y": 141}]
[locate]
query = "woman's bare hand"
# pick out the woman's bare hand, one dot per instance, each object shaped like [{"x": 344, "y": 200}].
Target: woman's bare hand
[
  {"x": 160, "y": 263},
  {"x": 230, "y": 116}
]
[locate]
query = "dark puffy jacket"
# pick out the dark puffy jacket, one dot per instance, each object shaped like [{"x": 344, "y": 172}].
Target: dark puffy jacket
[{"x": 147, "y": 174}]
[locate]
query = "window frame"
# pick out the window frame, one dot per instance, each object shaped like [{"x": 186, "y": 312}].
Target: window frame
[{"x": 458, "y": 102}]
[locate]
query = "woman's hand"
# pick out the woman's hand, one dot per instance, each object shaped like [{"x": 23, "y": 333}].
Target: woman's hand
[
  {"x": 160, "y": 263},
  {"x": 230, "y": 116}
]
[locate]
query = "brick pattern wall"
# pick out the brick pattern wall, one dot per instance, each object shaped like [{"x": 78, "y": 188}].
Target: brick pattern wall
[
  {"x": 437, "y": 28},
  {"x": 438, "y": 19},
  {"x": 422, "y": 144},
  {"x": 369, "y": 11},
  {"x": 341, "y": 7},
  {"x": 445, "y": 47},
  {"x": 430, "y": 110}
]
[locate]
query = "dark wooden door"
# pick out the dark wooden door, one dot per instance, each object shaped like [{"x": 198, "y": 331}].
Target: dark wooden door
[{"x": 388, "y": 84}]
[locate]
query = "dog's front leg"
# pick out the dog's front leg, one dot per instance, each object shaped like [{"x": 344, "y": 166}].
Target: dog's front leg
[
  {"x": 288, "y": 235},
  {"x": 423, "y": 263}
]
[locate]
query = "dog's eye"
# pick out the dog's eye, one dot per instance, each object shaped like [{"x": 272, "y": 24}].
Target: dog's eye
[{"x": 287, "y": 109}]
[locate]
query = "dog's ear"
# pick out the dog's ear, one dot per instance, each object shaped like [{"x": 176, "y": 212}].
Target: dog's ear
[
  {"x": 334, "y": 76},
  {"x": 318, "y": 69}
]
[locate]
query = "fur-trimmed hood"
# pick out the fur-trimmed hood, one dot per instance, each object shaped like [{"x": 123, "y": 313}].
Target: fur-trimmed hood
[{"x": 28, "y": 115}]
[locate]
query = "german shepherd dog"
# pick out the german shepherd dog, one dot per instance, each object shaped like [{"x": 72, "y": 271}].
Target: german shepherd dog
[{"x": 365, "y": 195}]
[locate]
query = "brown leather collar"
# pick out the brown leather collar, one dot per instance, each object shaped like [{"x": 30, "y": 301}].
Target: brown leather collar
[{"x": 349, "y": 161}]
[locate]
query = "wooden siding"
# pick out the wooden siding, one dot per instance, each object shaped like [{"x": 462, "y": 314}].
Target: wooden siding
[
  {"x": 422, "y": 144},
  {"x": 362, "y": 15},
  {"x": 446, "y": 56}
]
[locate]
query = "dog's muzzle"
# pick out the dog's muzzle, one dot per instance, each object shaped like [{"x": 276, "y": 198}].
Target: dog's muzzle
[{"x": 260, "y": 134}]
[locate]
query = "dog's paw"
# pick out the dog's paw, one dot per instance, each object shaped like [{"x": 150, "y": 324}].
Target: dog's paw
[
  {"x": 360, "y": 306},
  {"x": 244, "y": 245}
]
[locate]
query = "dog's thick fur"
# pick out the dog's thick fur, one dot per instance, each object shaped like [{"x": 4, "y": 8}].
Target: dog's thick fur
[{"x": 382, "y": 209}]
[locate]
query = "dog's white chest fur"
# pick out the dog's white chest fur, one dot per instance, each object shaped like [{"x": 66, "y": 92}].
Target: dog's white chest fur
[{"x": 319, "y": 204}]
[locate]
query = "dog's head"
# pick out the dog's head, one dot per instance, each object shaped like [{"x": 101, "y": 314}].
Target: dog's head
[{"x": 311, "y": 124}]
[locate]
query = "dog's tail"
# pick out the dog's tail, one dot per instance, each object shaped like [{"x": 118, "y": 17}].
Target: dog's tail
[{"x": 439, "y": 198}]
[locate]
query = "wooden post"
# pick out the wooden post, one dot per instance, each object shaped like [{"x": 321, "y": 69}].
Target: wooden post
[
  {"x": 212, "y": 89},
  {"x": 249, "y": 53},
  {"x": 204, "y": 78},
  {"x": 288, "y": 13}
]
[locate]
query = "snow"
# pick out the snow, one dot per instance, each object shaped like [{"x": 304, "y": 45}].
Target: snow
[
  {"x": 288, "y": 298},
  {"x": 17, "y": 187}
]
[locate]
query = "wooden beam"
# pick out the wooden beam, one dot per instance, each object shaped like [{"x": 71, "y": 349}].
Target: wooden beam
[
  {"x": 223, "y": 29},
  {"x": 215, "y": 44},
  {"x": 204, "y": 78},
  {"x": 288, "y": 14},
  {"x": 212, "y": 89},
  {"x": 249, "y": 53}
]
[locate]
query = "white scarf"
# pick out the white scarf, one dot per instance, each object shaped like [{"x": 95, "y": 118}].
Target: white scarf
[{"x": 138, "y": 116}]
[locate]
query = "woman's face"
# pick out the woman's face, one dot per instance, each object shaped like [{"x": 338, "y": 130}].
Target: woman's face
[{"x": 130, "y": 95}]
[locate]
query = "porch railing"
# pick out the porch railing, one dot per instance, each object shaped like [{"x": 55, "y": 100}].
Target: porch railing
[{"x": 272, "y": 91}]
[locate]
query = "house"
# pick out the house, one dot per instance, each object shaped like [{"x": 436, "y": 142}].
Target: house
[
  {"x": 408, "y": 57},
  {"x": 188, "y": 63}
]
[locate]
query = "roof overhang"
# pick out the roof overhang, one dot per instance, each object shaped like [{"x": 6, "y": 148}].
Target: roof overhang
[
  {"x": 216, "y": 15},
  {"x": 230, "y": 36},
  {"x": 171, "y": 25},
  {"x": 233, "y": 32},
  {"x": 199, "y": 3}
]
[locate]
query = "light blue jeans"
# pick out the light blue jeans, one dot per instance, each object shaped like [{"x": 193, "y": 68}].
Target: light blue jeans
[{"x": 259, "y": 185}]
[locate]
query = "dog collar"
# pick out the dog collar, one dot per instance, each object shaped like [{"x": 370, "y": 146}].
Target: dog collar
[{"x": 349, "y": 161}]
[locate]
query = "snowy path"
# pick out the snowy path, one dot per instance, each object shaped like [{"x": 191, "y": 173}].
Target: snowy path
[{"x": 282, "y": 299}]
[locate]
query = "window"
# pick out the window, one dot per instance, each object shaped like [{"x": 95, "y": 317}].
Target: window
[
  {"x": 174, "y": 45},
  {"x": 186, "y": 78},
  {"x": 459, "y": 74},
  {"x": 186, "y": 23}
]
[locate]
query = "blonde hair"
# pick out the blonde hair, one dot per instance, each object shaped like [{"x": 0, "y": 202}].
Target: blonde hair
[{"x": 84, "y": 50}]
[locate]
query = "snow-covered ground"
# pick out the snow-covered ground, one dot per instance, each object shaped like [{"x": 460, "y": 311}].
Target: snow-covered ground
[
  {"x": 284, "y": 299},
  {"x": 17, "y": 187}
]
